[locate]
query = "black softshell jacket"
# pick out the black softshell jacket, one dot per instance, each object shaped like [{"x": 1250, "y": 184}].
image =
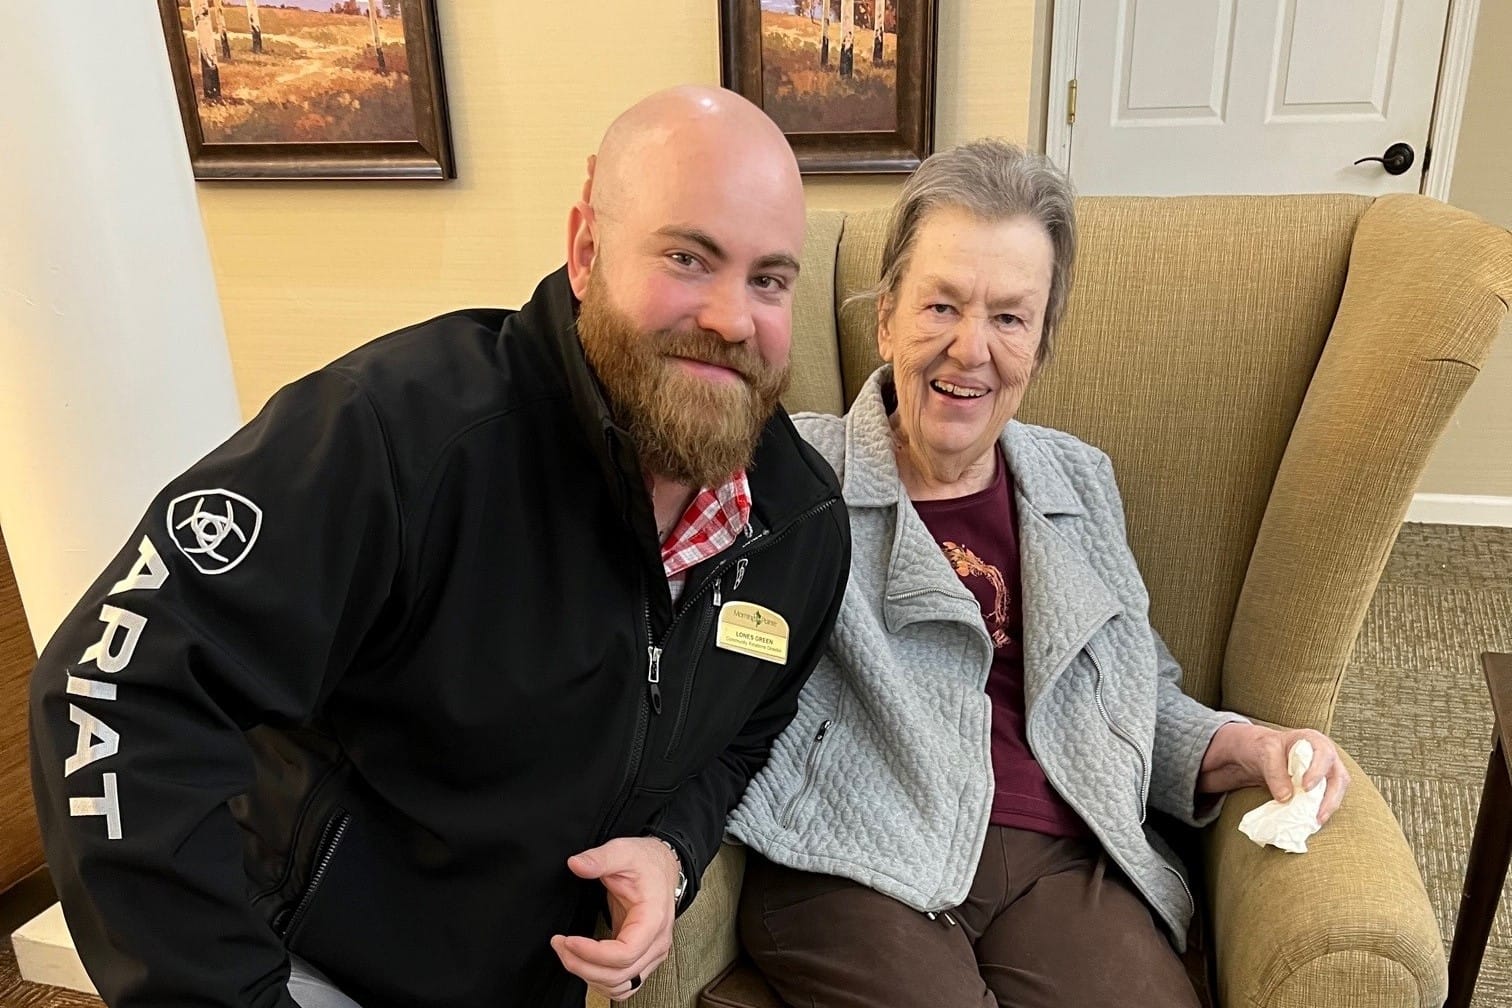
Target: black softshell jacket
[{"x": 365, "y": 676}]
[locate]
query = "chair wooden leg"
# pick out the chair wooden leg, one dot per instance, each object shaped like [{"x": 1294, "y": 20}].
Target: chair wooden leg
[{"x": 1489, "y": 854}]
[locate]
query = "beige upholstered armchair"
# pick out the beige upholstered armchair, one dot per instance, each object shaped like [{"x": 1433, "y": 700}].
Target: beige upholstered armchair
[{"x": 1268, "y": 375}]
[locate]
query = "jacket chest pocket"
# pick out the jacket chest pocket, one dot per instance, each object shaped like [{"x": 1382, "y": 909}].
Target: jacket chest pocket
[
  {"x": 722, "y": 693},
  {"x": 697, "y": 659},
  {"x": 709, "y": 694}
]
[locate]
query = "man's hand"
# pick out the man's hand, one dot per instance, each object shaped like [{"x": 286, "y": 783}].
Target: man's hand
[
  {"x": 640, "y": 876},
  {"x": 1249, "y": 755}
]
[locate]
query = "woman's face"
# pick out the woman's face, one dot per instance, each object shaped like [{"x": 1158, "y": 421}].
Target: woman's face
[{"x": 961, "y": 332}]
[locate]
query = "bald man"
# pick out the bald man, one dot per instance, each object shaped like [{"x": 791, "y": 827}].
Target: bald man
[{"x": 471, "y": 639}]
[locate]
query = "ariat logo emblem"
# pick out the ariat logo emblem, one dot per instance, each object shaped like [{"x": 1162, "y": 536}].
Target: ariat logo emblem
[{"x": 215, "y": 529}]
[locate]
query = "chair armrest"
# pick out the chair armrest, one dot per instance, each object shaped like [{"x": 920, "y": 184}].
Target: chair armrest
[
  {"x": 1346, "y": 924},
  {"x": 703, "y": 941}
]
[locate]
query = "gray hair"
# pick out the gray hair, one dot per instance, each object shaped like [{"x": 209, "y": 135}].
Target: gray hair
[{"x": 994, "y": 181}]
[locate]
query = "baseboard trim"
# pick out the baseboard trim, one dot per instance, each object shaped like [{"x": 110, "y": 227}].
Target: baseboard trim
[
  {"x": 45, "y": 953},
  {"x": 1460, "y": 509}
]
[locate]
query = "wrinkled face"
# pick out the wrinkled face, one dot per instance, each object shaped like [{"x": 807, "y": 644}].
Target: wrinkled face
[
  {"x": 687, "y": 306},
  {"x": 961, "y": 331}
]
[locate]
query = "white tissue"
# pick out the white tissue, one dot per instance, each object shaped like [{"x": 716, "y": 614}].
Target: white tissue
[{"x": 1288, "y": 824}]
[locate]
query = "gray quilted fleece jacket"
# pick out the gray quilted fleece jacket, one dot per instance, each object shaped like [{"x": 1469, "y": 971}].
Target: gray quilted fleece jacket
[{"x": 884, "y": 775}]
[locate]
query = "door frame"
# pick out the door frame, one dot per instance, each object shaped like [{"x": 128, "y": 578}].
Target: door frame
[{"x": 1448, "y": 102}]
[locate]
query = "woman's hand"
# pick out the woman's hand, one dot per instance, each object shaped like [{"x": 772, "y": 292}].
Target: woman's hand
[{"x": 1250, "y": 755}]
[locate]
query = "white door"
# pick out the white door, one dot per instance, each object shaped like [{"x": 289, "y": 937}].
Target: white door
[{"x": 1253, "y": 96}]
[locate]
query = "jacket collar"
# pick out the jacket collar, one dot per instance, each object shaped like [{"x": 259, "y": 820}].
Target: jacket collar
[
  {"x": 552, "y": 313},
  {"x": 787, "y": 477},
  {"x": 871, "y": 470},
  {"x": 1065, "y": 600},
  {"x": 553, "y": 310}
]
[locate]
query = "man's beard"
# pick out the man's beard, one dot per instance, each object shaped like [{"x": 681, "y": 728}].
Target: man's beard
[{"x": 689, "y": 429}]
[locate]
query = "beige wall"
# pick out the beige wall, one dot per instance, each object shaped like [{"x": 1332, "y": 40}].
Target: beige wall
[
  {"x": 1475, "y": 455},
  {"x": 307, "y": 271}
]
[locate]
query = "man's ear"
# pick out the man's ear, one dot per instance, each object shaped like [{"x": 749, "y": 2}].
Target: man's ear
[
  {"x": 582, "y": 245},
  {"x": 884, "y": 330},
  {"x": 582, "y": 238}
]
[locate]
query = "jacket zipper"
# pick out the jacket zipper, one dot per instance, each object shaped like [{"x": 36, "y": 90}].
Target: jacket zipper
[
  {"x": 808, "y": 773},
  {"x": 1144, "y": 770},
  {"x": 1184, "y": 887},
  {"x": 654, "y": 651},
  {"x": 653, "y": 660},
  {"x": 1121, "y": 860},
  {"x": 642, "y": 722},
  {"x": 653, "y": 674},
  {"x": 330, "y": 839}
]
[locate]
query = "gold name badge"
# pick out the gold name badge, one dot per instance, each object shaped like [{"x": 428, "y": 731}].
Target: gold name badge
[{"x": 750, "y": 629}]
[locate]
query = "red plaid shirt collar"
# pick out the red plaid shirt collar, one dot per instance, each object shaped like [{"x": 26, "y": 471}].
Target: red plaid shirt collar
[{"x": 712, "y": 522}]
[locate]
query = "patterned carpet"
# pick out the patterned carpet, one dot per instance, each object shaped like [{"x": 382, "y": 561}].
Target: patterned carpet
[{"x": 1413, "y": 711}]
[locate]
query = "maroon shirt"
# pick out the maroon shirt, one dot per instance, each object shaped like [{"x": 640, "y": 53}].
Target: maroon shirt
[{"x": 979, "y": 536}]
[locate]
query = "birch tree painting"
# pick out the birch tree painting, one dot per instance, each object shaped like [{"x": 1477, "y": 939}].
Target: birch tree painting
[
  {"x": 218, "y": 11},
  {"x": 847, "y": 37},
  {"x": 204, "y": 40},
  {"x": 824, "y": 36},
  {"x": 372, "y": 7},
  {"x": 254, "y": 26},
  {"x": 812, "y": 83},
  {"x": 299, "y": 71}
]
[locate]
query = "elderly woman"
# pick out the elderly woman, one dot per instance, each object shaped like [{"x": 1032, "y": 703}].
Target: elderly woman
[{"x": 956, "y": 815}]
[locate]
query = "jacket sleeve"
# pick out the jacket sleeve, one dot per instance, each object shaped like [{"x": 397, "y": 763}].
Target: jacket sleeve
[
  {"x": 693, "y": 821},
  {"x": 1183, "y": 729},
  {"x": 239, "y": 599},
  {"x": 1183, "y": 726}
]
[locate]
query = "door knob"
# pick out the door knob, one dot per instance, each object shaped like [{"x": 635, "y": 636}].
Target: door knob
[{"x": 1397, "y": 159}]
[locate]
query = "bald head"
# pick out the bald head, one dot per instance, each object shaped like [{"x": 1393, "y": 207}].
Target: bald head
[{"x": 689, "y": 128}]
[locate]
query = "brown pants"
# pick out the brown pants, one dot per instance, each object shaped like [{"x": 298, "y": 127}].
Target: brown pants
[{"x": 1048, "y": 922}]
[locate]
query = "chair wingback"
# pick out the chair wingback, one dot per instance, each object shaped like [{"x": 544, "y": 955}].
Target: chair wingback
[
  {"x": 816, "y": 383},
  {"x": 1428, "y": 287},
  {"x": 1207, "y": 351}
]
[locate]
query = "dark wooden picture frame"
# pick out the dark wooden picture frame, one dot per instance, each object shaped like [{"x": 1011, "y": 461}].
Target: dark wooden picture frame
[
  {"x": 316, "y": 135},
  {"x": 777, "y": 80}
]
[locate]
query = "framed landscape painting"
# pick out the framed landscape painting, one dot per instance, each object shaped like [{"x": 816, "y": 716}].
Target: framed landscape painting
[
  {"x": 851, "y": 82},
  {"x": 329, "y": 89}
]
